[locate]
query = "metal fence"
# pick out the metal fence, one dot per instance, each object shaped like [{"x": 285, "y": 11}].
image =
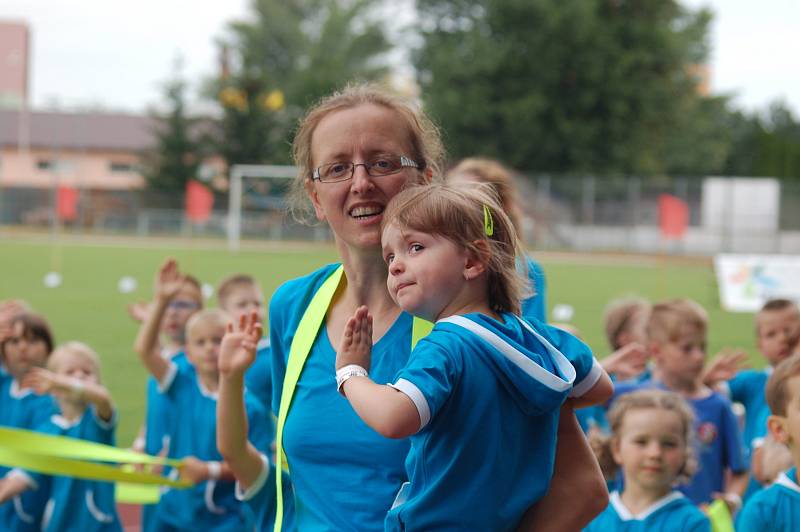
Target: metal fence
[{"x": 562, "y": 212}]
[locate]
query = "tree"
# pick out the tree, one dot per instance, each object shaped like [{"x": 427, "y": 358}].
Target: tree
[
  {"x": 595, "y": 86},
  {"x": 177, "y": 155},
  {"x": 284, "y": 57}
]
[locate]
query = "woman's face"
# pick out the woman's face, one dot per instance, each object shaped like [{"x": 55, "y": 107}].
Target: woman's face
[{"x": 354, "y": 208}]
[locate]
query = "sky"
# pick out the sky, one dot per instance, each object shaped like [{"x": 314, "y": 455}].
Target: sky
[{"x": 117, "y": 55}]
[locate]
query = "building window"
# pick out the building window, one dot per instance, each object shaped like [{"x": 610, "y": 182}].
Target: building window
[
  {"x": 45, "y": 164},
  {"x": 56, "y": 165},
  {"x": 122, "y": 167}
]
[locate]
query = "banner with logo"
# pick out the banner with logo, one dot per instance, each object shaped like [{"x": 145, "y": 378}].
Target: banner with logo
[{"x": 746, "y": 282}]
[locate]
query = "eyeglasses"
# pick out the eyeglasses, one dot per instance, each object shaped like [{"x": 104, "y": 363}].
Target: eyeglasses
[
  {"x": 180, "y": 304},
  {"x": 379, "y": 165}
]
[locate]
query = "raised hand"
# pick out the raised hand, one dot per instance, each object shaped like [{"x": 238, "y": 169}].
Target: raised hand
[
  {"x": 356, "y": 344},
  {"x": 138, "y": 311},
  {"x": 724, "y": 367},
  {"x": 42, "y": 381},
  {"x": 169, "y": 280},
  {"x": 627, "y": 361},
  {"x": 238, "y": 349}
]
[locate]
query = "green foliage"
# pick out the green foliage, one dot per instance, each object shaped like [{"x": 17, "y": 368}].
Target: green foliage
[
  {"x": 600, "y": 86},
  {"x": 302, "y": 49},
  {"x": 177, "y": 155}
]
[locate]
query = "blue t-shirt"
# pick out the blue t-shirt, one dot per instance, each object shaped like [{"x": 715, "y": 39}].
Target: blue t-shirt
[
  {"x": 748, "y": 387},
  {"x": 22, "y": 409},
  {"x": 488, "y": 394},
  {"x": 261, "y": 499},
  {"x": 672, "y": 513},
  {"x": 258, "y": 379},
  {"x": 536, "y": 305},
  {"x": 73, "y": 503},
  {"x": 211, "y": 504},
  {"x": 718, "y": 442},
  {"x": 345, "y": 475},
  {"x": 159, "y": 415},
  {"x": 773, "y": 509}
]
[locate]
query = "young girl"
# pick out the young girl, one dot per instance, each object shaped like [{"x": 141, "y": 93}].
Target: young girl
[
  {"x": 651, "y": 442},
  {"x": 480, "y": 394},
  {"x": 27, "y": 345},
  {"x": 86, "y": 412}
]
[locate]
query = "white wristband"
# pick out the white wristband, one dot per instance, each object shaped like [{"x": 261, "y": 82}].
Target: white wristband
[
  {"x": 351, "y": 370},
  {"x": 214, "y": 470}
]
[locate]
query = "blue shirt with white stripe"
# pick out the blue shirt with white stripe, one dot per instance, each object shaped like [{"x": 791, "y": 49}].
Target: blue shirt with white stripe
[
  {"x": 672, "y": 513},
  {"x": 488, "y": 394},
  {"x": 773, "y": 509}
]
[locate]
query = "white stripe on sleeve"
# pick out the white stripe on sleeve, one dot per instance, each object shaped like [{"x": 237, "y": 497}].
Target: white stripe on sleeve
[{"x": 416, "y": 396}]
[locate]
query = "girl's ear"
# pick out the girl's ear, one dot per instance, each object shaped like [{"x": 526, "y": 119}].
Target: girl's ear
[
  {"x": 777, "y": 428},
  {"x": 476, "y": 261},
  {"x": 615, "y": 450}
]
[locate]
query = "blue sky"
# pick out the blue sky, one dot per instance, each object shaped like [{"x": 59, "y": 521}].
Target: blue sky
[{"x": 95, "y": 52}]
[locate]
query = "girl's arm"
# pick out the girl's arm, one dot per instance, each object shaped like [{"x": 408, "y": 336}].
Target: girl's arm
[
  {"x": 389, "y": 412},
  {"x": 576, "y": 478},
  {"x": 45, "y": 382},
  {"x": 237, "y": 353},
  {"x": 11, "y": 486}
]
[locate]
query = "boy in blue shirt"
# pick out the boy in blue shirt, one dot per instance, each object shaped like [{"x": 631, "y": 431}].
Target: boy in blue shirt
[
  {"x": 192, "y": 390},
  {"x": 85, "y": 412},
  {"x": 777, "y": 508},
  {"x": 676, "y": 333}
]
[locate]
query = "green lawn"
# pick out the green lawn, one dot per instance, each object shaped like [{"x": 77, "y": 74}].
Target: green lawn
[{"x": 88, "y": 306}]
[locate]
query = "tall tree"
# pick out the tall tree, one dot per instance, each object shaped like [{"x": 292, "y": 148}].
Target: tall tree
[
  {"x": 561, "y": 85},
  {"x": 285, "y": 56}
]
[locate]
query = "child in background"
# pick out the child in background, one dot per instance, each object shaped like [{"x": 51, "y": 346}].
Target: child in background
[
  {"x": 651, "y": 441},
  {"x": 480, "y": 395},
  {"x": 239, "y": 295},
  {"x": 625, "y": 326},
  {"x": 27, "y": 346},
  {"x": 777, "y": 326},
  {"x": 9, "y": 309},
  {"x": 73, "y": 378},
  {"x": 254, "y": 472},
  {"x": 192, "y": 389},
  {"x": 676, "y": 333},
  {"x": 777, "y": 508}
]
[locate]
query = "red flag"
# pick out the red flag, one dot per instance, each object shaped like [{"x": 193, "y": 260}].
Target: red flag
[
  {"x": 199, "y": 201},
  {"x": 67, "y": 203},
  {"x": 673, "y": 216}
]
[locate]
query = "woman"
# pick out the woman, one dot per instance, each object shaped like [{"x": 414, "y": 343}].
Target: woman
[
  {"x": 499, "y": 177},
  {"x": 355, "y": 151}
]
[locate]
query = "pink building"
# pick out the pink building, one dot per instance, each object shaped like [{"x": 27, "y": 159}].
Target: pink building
[{"x": 14, "y": 60}]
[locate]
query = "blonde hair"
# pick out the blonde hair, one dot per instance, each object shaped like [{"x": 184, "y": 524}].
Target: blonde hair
[
  {"x": 231, "y": 283},
  {"x": 500, "y": 178},
  {"x": 74, "y": 348},
  {"x": 777, "y": 391},
  {"x": 458, "y": 215},
  {"x": 669, "y": 319},
  {"x": 644, "y": 399},
  {"x": 423, "y": 136},
  {"x": 213, "y": 316},
  {"x": 620, "y": 314}
]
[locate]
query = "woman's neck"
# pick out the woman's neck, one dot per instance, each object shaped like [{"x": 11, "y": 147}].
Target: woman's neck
[
  {"x": 638, "y": 498},
  {"x": 366, "y": 275}
]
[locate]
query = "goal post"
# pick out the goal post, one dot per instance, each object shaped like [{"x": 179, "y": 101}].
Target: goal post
[{"x": 238, "y": 173}]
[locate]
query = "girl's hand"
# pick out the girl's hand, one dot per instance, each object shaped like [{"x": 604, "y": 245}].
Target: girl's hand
[
  {"x": 193, "y": 470},
  {"x": 626, "y": 362},
  {"x": 724, "y": 367},
  {"x": 238, "y": 349},
  {"x": 356, "y": 344},
  {"x": 40, "y": 380},
  {"x": 169, "y": 280}
]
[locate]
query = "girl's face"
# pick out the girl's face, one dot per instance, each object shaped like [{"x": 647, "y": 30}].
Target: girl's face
[
  {"x": 23, "y": 351},
  {"x": 78, "y": 367},
  {"x": 650, "y": 448},
  {"x": 354, "y": 208}
]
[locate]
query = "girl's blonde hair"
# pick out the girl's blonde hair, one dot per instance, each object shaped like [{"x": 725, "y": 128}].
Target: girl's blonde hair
[
  {"x": 74, "y": 348},
  {"x": 495, "y": 174},
  {"x": 462, "y": 215},
  {"x": 658, "y": 399},
  {"x": 422, "y": 135}
]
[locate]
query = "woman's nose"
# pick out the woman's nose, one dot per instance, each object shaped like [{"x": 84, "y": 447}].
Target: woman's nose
[{"x": 361, "y": 181}]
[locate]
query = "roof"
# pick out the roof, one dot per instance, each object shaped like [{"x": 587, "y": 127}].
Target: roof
[{"x": 79, "y": 131}]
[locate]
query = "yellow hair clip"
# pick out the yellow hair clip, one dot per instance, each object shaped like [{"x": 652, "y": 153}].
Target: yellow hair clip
[{"x": 488, "y": 221}]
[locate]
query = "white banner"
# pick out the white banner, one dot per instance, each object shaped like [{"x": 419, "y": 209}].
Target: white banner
[{"x": 746, "y": 282}]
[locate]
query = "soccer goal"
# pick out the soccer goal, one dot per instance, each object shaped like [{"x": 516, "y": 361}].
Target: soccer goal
[{"x": 263, "y": 186}]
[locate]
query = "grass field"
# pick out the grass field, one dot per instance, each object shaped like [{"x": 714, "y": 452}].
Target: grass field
[{"x": 87, "y": 306}]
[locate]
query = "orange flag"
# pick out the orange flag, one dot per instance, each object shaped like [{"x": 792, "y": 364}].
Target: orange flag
[
  {"x": 67, "y": 203},
  {"x": 673, "y": 216},
  {"x": 199, "y": 201}
]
